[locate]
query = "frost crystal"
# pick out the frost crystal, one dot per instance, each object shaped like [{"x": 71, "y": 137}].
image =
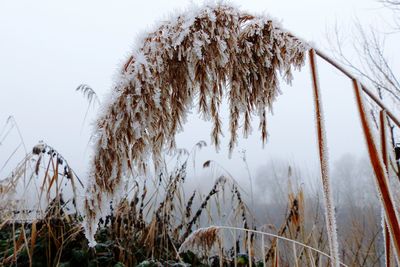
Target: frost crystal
[{"x": 198, "y": 57}]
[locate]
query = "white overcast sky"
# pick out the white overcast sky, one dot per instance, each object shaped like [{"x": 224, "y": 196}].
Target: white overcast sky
[{"x": 48, "y": 48}]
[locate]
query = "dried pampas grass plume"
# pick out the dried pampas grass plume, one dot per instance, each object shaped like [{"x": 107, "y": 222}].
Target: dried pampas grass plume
[
  {"x": 203, "y": 238},
  {"x": 193, "y": 59}
]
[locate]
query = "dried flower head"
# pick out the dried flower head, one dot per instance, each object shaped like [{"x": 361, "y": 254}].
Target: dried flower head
[
  {"x": 195, "y": 58},
  {"x": 203, "y": 238}
]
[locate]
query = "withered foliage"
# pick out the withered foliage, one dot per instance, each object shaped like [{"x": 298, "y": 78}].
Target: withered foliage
[
  {"x": 197, "y": 58},
  {"x": 204, "y": 238}
]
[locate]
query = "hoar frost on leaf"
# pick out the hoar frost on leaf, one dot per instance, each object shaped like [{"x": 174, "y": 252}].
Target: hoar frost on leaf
[{"x": 194, "y": 58}]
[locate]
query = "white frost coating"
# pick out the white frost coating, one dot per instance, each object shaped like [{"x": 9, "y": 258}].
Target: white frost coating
[
  {"x": 324, "y": 162},
  {"x": 386, "y": 175},
  {"x": 394, "y": 183},
  {"x": 383, "y": 225},
  {"x": 196, "y": 57},
  {"x": 375, "y": 136},
  {"x": 103, "y": 209}
]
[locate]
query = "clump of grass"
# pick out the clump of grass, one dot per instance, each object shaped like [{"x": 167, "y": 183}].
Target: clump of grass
[
  {"x": 42, "y": 176},
  {"x": 159, "y": 225}
]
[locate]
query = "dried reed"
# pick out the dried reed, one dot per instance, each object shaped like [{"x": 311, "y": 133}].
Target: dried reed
[{"x": 203, "y": 54}]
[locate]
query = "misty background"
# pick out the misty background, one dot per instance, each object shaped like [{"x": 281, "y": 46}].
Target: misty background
[{"x": 48, "y": 48}]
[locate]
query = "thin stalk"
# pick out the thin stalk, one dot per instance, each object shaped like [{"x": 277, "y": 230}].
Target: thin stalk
[
  {"x": 278, "y": 237},
  {"x": 362, "y": 86},
  {"x": 263, "y": 250},
  {"x": 380, "y": 173},
  {"x": 249, "y": 248},
  {"x": 323, "y": 157},
  {"x": 386, "y": 234},
  {"x": 235, "y": 248},
  {"x": 296, "y": 263},
  {"x": 276, "y": 260}
]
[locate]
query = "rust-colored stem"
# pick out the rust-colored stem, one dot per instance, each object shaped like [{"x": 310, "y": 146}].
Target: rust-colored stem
[
  {"x": 386, "y": 234},
  {"x": 328, "y": 199},
  {"x": 388, "y": 248},
  {"x": 380, "y": 173},
  {"x": 362, "y": 86}
]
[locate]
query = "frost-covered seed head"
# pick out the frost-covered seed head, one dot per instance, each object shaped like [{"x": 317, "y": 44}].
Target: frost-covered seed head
[{"x": 194, "y": 59}]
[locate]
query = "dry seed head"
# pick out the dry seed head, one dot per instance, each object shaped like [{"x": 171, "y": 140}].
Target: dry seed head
[
  {"x": 197, "y": 58},
  {"x": 203, "y": 238}
]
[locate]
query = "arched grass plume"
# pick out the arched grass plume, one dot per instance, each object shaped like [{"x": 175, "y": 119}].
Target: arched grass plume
[{"x": 195, "y": 58}]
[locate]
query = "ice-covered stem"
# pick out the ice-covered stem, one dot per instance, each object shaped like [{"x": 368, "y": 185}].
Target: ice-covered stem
[
  {"x": 324, "y": 165},
  {"x": 194, "y": 58},
  {"x": 381, "y": 175},
  {"x": 386, "y": 241},
  {"x": 208, "y": 235},
  {"x": 385, "y": 157}
]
